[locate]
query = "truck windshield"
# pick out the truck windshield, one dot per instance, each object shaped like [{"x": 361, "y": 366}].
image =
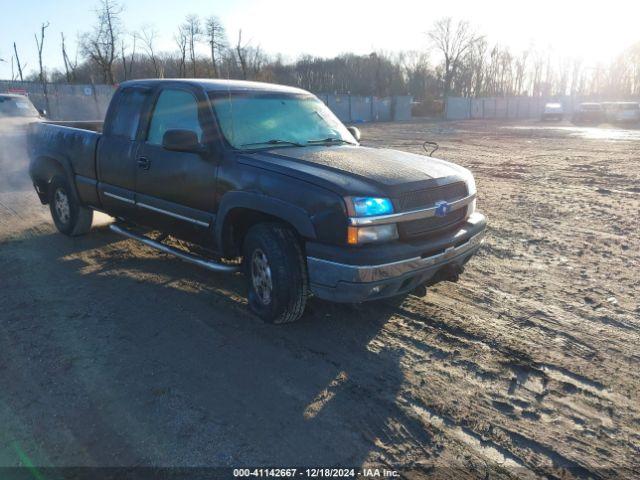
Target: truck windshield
[
  {"x": 16, "y": 106},
  {"x": 254, "y": 120}
]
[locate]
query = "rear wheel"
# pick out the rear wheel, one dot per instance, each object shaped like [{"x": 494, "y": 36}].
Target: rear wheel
[
  {"x": 276, "y": 273},
  {"x": 68, "y": 215}
]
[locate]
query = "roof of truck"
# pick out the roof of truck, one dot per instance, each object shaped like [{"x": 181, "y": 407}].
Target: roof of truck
[{"x": 218, "y": 85}]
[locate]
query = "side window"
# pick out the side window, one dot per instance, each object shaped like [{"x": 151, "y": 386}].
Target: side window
[
  {"x": 175, "y": 109},
  {"x": 127, "y": 115}
]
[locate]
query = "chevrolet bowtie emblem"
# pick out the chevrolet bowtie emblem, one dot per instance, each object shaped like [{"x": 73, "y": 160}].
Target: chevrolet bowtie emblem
[{"x": 442, "y": 208}]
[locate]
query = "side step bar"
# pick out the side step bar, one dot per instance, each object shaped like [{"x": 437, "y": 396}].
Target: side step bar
[{"x": 187, "y": 257}]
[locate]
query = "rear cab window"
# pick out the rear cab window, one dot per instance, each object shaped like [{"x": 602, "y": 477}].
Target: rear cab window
[{"x": 128, "y": 111}]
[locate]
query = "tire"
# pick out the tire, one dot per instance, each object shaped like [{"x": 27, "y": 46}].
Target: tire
[
  {"x": 276, "y": 273},
  {"x": 68, "y": 215}
]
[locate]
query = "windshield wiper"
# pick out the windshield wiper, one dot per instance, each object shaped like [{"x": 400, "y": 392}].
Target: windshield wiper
[
  {"x": 331, "y": 140},
  {"x": 274, "y": 141}
]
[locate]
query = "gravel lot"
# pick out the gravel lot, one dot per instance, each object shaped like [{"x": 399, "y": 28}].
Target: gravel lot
[{"x": 112, "y": 354}]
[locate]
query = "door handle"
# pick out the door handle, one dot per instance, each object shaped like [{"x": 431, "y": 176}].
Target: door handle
[{"x": 144, "y": 163}]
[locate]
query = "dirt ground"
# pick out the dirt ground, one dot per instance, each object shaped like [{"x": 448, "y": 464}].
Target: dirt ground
[{"x": 112, "y": 354}]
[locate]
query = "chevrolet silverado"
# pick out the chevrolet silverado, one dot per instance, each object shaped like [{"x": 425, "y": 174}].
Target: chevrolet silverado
[{"x": 262, "y": 179}]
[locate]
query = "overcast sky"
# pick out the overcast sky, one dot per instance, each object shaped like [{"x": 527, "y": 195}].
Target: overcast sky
[{"x": 593, "y": 30}]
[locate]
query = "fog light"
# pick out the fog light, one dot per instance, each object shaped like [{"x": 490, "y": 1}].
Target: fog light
[{"x": 372, "y": 234}]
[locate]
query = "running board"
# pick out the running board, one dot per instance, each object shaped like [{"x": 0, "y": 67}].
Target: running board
[{"x": 182, "y": 255}]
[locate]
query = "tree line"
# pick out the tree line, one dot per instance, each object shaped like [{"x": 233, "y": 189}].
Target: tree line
[{"x": 456, "y": 59}]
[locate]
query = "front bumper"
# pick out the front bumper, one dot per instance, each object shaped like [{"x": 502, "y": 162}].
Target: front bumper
[{"x": 341, "y": 276}]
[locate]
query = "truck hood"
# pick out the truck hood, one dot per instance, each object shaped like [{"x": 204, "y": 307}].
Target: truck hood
[{"x": 357, "y": 170}]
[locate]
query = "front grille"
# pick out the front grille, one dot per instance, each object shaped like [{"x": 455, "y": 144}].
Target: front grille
[
  {"x": 427, "y": 199},
  {"x": 424, "y": 226}
]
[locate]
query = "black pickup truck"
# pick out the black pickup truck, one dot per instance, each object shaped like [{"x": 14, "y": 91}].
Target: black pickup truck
[{"x": 264, "y": 179}]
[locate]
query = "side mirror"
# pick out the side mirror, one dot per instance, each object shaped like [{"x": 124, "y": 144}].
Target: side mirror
[
  {"x": 182, "y": 141},
  {"x": 355, "y": 131},
  {"x": 42, "y": 112}
]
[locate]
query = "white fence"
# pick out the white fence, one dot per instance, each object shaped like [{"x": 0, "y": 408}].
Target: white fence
[
  {"x": 90, "y": 102},
  {"x": 360, "y": 108},
  {"x": 462, "y": 108},
  {"x": 66, "y": 102}
]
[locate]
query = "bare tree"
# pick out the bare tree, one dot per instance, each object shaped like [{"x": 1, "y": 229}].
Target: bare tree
[
  {"x": 576, "y": 77},
  {"x": 521, "y": 69},
  {"x": 480, "y": 52},
  {"x": 536, "y": 74},
  {"x": 132, "y": 58},
  {"x": 258, "y": 61},
  {"x": 563, "y": 73},
  {"x": 625, "y": 72},
  {"x": 470, "y": 65},
  {"x": 182, "y": 39},
  {"x": 453, "y": 40},
  {"x": 100, "y": 45},
  {"x": 217, "y": 41},
  {"x": 123, "y": 57},
  {"x": 15, "y": 49},
  {"x": 127, "y": 64},
  {"x": 69, "y": 66},
  {"x": 42, "y": 76},
  {"x": 241, "y": 52},
  {"x": 148, "y": 37},
  {"x": 193, "y": 32},
  {"x": 506, "y": 73}
]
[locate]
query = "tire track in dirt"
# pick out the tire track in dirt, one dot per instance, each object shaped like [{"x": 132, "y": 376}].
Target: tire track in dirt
[
  {"x": 495, "y": 452},
  {"x": 504, "y": 454}
]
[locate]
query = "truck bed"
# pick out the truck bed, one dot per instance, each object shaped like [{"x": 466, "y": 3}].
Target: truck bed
[{"x": 71, "y": 144}]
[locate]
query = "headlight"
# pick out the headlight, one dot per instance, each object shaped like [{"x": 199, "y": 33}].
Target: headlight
[
  {"x": 368, "y": 206},
  {"x": 372, "y": 234}
]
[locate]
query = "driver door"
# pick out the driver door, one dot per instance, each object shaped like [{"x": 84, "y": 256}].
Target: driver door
[{"x": 175, "y": 191}]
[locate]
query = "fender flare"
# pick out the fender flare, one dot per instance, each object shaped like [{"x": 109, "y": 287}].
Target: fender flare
[
  {"x": 275, "y": 207},
  {"x": 38, "y": 166}
]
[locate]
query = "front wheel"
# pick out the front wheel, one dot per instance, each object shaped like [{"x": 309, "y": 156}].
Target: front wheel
[
  {"x": 276, "y": 273},
  {"x": 69, "y": 216}
]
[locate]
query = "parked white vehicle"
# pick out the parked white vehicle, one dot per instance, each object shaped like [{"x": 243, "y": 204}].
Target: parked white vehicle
[
  {"x": 553, "y": 111},
  {"x": 17, "y": 112},
  {"x": 625, "y": 112}
]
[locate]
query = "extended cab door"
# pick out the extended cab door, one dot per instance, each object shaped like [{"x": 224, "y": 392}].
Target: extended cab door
[
  {"x": 116, "y": 155},
  {"x": 175, "y": 191}
]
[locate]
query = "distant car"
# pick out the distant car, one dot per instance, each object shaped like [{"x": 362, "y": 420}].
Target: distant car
[
  {"x": 591, "y": 113},
  {"x": 625, "y": 112},
  {"x": 14, "y": 105},
  {"x": 553, "y": 111},
  {"x": 17, "y": 111}
]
